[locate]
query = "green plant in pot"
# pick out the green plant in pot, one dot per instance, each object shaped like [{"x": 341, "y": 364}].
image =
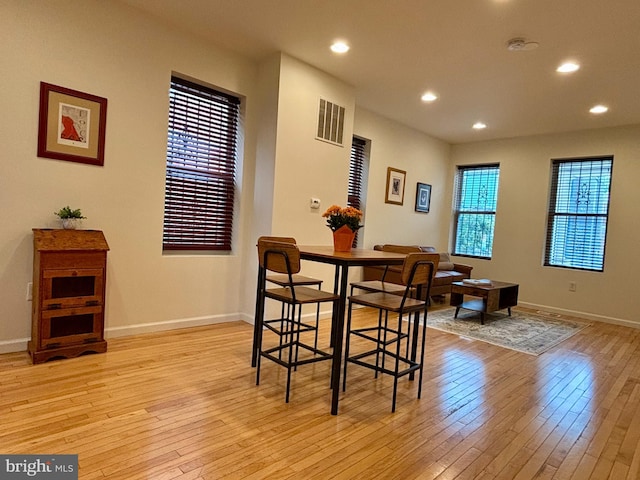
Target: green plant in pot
[{"x": 70, "y": 217}]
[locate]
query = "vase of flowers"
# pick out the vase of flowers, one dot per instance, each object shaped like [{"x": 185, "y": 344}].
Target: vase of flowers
[{"x": 344, "y": 223}]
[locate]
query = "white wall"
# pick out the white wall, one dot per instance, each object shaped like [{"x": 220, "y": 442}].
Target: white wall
[
  {"x": 116, "y": 52},
  {"x": 112, "y": 51},
  {"x": 518, "y": 250},
  {"x": 307, "y": 167},
  {"x": 426, "y": 160}
]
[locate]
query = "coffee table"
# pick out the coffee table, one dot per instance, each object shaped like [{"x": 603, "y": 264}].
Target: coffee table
[{"x": 489, "y": 298}]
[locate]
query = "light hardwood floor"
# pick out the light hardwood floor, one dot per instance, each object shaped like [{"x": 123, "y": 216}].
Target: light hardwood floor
[{"x": 184, "y": 405}]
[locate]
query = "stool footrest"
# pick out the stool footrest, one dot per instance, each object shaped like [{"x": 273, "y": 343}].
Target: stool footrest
[
  {"x": 291, "y": 326},
  {"x": 322, "y": 355},
  {"x": 363, "y": 333},
  {"x": 358, "y": 359}
]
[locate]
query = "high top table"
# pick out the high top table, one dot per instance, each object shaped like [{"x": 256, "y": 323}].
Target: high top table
[{"x": 357, "y": 257}]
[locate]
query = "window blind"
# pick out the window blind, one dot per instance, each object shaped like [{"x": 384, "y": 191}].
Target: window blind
[
  {"x": 356, "y": 175},
  {"x": 200, "y": 170},
  {"x": 578, "y": 213},
  {"x": 475, "y": 205}
]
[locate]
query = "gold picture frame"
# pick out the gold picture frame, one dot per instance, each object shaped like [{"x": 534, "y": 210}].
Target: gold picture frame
[
  {"x": 395, "y": 186},
  {"x": 72, "y": 125}
]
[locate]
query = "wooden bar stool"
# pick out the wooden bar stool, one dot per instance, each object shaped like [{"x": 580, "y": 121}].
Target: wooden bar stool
[
  {"x": 384, "y": 341},
  {"x": 284, "y": 259},
  {"x": 282, "y": 281}
]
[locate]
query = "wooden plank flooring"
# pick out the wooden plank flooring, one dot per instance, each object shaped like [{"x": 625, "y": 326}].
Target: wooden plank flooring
[{"x": 184, "y": 405}]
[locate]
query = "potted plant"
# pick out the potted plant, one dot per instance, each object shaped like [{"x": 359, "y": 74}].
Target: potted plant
[
  {"x": 344, "y": 223},
  {"x": 70, "y": 217}
]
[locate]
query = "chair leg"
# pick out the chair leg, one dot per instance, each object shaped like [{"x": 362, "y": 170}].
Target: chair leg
[
  {"x": 346, "y": 348},
  {"x": 408, "y": 335},
  {"x": 384, "y": 339},
  {"x": 298, "y": 325},
  {"x": 289, "y": 364},
  {"x": 422, "y": 349},
  {"x": 282, "y": 326},
  {"x": 315, "y": 340},
  {"x": 397, "y": 365},
  {"x": 258, "y": 361}
]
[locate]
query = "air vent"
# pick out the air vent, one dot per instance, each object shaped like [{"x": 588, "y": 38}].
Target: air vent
[{"x": 330, "y": 122}]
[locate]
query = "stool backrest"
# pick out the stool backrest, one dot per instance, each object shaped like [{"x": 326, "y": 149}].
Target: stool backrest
[
  {"x": 423, "y": 275},
  {"x": 401, "y": 248},
  {"x": 397, "y": 249},
  {"x": 278, "y": 239},
  {"x": 280, "y": 257}
]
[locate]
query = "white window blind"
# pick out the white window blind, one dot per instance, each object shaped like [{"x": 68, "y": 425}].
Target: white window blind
[
  {"x": 578, "y": 213},
  {"x": 200, "y": 173}
]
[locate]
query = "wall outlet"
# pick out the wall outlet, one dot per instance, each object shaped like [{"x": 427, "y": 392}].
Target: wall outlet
[
  {"x": 572, "y": 286},
  {"x": 29, "y": 291}
]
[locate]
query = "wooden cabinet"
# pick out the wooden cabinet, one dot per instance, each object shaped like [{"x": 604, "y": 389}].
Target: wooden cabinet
[{"x": 69, "y": 276}]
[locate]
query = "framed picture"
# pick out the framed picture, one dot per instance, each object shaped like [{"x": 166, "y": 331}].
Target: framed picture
[
  {"x": 395, "y": 186},
  {"x": 72, "y": 125},
  {"x": 423, "y": 197}
]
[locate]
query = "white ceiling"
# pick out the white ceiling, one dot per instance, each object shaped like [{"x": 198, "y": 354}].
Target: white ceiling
[{"x": 457, "y": 48}]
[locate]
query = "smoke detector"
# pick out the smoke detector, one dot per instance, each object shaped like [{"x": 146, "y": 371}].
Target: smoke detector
[{"x": 519, "y": 44}]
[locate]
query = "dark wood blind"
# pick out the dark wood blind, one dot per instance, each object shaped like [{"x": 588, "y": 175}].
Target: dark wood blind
[
  {"x": 578, "y": 213},
  {"x": 201, "y": 162},
  {"x": 356, "y": 175}
]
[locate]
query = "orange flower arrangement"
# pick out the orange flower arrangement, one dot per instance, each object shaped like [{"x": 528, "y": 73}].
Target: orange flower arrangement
[{"x": 337, "y": 217}]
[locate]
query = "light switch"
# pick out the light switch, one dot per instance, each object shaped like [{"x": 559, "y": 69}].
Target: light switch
[{"x": 315, "y": 203}]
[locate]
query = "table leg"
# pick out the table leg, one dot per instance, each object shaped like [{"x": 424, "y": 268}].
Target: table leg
[
  {"x": 336, "y": 291},
  {"x": 337, "y": 338},
  {"x": 257, "y": 319}
]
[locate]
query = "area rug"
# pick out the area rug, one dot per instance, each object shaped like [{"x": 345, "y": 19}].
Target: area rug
[{"x": 532, "y": 332}]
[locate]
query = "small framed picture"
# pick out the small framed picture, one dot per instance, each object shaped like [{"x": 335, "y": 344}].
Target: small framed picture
[
  {"x": 72, "y": 125},
  {"x": 423, "y": 197},
  {"x": 395, "y": 186}
]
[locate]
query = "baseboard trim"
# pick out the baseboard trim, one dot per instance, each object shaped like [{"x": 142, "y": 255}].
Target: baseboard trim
[
  {"x": 12, "y": 346},
  {"x": 175, "y": 324},
  {"x": 20, "y": 344},
  {"x": 585, "y": 315}
]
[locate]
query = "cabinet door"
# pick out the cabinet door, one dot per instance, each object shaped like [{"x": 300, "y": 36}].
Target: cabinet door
[
  {"x": 72, "y": 287},
  {"x": 71, "y": 326}
]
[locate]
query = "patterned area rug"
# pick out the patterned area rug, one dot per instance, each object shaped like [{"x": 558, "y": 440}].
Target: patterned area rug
[{"x": 532, "y": 332}]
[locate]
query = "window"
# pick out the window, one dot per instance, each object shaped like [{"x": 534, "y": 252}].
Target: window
[
  {"x": 475, "y": 203},
  {"x": 357, "y": 167},
  {"x": 578, "y": 213},
  {"x": 201, "y": 159}
]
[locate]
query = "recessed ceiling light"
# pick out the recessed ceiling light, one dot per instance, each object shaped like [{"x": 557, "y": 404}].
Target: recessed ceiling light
[
  {"x": 340, "y": 47},
  {"x": 479, "y": 126},
  {"x": 429, "y": 97},
  {"x": 568, "y": 67},
  {"x": 598, "y": 109}
]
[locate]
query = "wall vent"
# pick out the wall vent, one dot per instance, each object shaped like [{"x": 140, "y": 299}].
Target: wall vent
[{"x": 330, "y": 122}]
